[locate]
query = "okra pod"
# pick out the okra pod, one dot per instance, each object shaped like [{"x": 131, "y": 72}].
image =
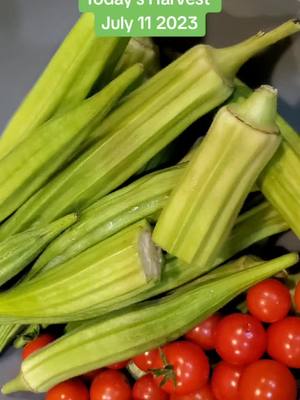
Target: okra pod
[
  {"x": 140, "y": 50},
  {"x": 47, "y": 149},
  {"x": 149, "y": 119},
  {"x": 80, "y": 49},
  {"x": 18, "y": 251},
  {"x": 122, "y": 335},
  {"x": 141, "y": 199},
  {"x": 97, "y": 66},
  {"x": 279, "y": 181},
  {"x": 118, "y": 265},
  {"x": 203, "y": 207}
]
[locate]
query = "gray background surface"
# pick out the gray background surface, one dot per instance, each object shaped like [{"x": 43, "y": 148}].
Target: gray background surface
[{"x": 31, "y": 30}]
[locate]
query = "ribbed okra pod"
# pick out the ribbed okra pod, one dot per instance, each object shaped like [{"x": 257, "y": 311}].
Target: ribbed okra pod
[
  {"x": 203, "y": 208},
  {"x": 30, "y": 164},
  {"x": 96, "y": 68},
  {"x": 18, "y": 251},
  {"x": 118, "y": 265},
  {"x": 280, "y": 180},
  {"x": 149, "y": 119},
  {"x": 141, "y": 199},
  {"x": 80, "y": 49},
  {"x": 140, "y": 50},
  {"x": 122, "y": 335}
]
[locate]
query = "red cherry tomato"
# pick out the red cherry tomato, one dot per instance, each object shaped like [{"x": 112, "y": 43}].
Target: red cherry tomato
[
  {"x": 297, "y": 297},
  {"x": 146, "y": 361},
  {"x": 37, "y": 344},
  {"x": 90, "y": 376},
  {"x": 240, "y": 339},
  {"x": 74, "y": 389},
  {"x": 146, "y": 388},
  {"x": 284, "y": 341},
  {"x": 269, "y": 301},
  {"x": 110, "y": 385},
  {"x": 267, "y": 380},
  {"x": 119, "y": 365},
  {"x": 225, "y": 380},
  {"x": 188, "y": 367},
  {"x": 204, "y": 333},
  {"x": 205, "y": 393}
]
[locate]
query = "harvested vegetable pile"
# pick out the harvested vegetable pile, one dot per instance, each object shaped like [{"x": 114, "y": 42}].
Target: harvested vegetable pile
[{"x": 119, "y": 257}]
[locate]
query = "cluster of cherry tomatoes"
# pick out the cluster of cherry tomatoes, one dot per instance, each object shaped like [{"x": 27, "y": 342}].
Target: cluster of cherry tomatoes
[{"x": 232, "y": 357}]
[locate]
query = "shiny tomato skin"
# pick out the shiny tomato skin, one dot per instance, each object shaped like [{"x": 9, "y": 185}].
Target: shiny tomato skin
[
  {"x": 225, "y": 381},
  {"x": 145, "y": 361},
  {"x": 240, "y": 339},
  {"x": 297, "y": 296},
  {"x": 119, "y": 365},
  {"x": 267, "y": 380},
  {"x": 269, "y": 301},
  {"x": 37, "y": 344},
  {"x": 110, "y": 385},
  {"x": 284, "y": 341},
  {"x": 190, "y": 367},
  {"x": 146, "y": 388},
  {"x": 204, "y": 333},
  {"x": 205, "y": 393},
  {"x": 73, "y": 389}
]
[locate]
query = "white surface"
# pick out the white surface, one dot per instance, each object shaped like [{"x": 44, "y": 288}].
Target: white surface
[{"x": 30, "y": 30}]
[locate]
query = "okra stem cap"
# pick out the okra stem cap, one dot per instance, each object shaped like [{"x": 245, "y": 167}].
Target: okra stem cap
[{"x": 259, "y": 110}]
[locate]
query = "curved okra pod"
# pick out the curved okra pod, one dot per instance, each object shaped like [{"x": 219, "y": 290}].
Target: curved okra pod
[
  {"x": 126, "y": 333},
  {"x": 80, "y": 59},
  {"x": 141, "y": 199},
  {"x": 19, "y": 250},
  {"x": 120, "y": 264},
  {"x": 147, "y": 121},
  {"x": 48, "y": 148},
  {"x": 203, "y": 208}
]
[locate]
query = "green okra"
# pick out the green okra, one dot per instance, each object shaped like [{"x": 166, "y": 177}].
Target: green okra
[
  {"x": 141, "y": 199},
  {"x": 280, "y": 180},
  {"x": 101, "y": 60},
  {"x": 145, "y": 122},
  {"x": 55, "y": 87},
  {"x": 18, "y": 251},
  {"x": 48, "y": 148},
  {"x": 30, "y": 333},
  {"x": 8, "y": 333},
  {"x": 126, "y": 333},
  {"x": 252, "y": 226},
  {"x": 140, "y": 50},
  {"x": 203, "y": 207},
  {"x": 118, "y": 265}
]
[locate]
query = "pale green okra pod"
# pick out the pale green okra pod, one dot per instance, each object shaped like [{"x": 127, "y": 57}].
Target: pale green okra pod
[{"x": 126, "y": 333}]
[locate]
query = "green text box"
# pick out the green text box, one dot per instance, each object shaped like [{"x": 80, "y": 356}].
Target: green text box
[{"x": 150, "y": 17}]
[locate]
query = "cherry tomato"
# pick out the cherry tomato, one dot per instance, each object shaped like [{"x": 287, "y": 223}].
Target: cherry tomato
[
  {"x": 37, "y": 344},
  {"x": 119, "y": 365},
  {"x": 267, "y": 380},
  {"x": 204, "y": 333},
  {"x": 74, "y": 389},
  {"x": 269, "y": 301},
  {"x": 284, "y": 341},
  {"x": 146, "y": 388},
  {"x": 90, "y": 376},
  {"x": 225, "y": 380},
  {"x": 146, "y": 360},
  {"x": 187, "y": 368},
  {"x": 240, "y": 339},
  {"x": 110, "y": 385},
  {"x": 205, "y": 393},
  {"x": 297, "y": 297}
]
